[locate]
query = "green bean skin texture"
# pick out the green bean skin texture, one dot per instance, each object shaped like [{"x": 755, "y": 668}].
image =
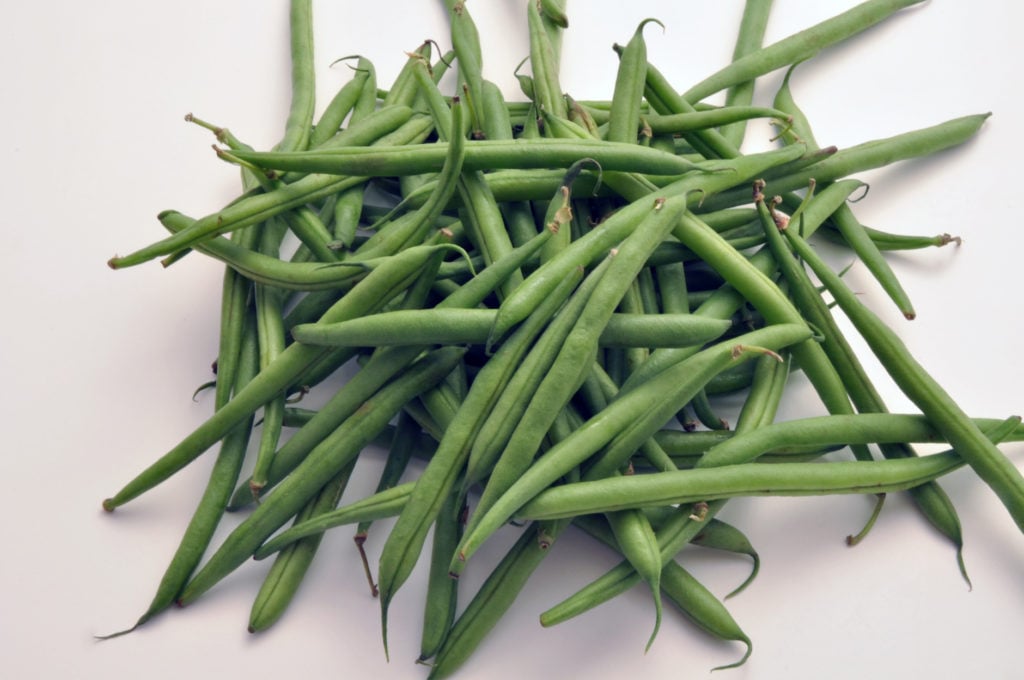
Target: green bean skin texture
[
  {"x": 454, "y": 326},
  {"x": 518, "y": 154},
  {"x": 732, "y": 481}
]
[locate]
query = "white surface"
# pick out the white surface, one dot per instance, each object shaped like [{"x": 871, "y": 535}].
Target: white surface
[{"x": 98, "y": 366}]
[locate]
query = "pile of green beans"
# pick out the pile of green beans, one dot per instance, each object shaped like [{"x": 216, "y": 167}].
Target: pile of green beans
[{"x": 540, "y": 304}]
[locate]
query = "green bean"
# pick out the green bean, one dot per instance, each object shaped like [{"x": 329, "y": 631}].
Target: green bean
[
  {"x": 416, "y": 229},
  {"x": 495, "y": 596},
  {"x": 225, "y": 472},
  {"x": 720, "y": 535},
  {"x": 301, "y": 485},
  {"x": 496, "y": 429},
  {"x": 303, "y": 99},
  {"x": 401, "y": 450},
  {"x": 930, "y": 499},
  {"x": 489, "y": 154},
  {"x": 403, "y": 90},
  {"x": 843, "y": 219},
  {"x": 466, "y": 44},
  {"x": 691, "y": 597},
  {"x": 271, "y": 342},
  {"x": 672, "y": 536},
  {"x": 889, "y": 241},
  {"x": 289, "y": 568},
  {"x": 380, "y": 505},
  {"x": 775, "y": 306},
  {"x": 624, "y": 116},
  {"x": 990, "y": 464},
  {"x": 705, "y": 484},
  {"x": 866, "y": 156},
  {"x": 701, "y": 120},
  {"x": 544, "y": 64},
  {"x": 703, "y": 608},
  {"x": 639, "y": 546},
  {"x": 453, "y": 326},
  {"x": 797, "y": 47},
  {"x": 263, "y": 269},
  {"x": 341, "y": 104},
  {"x": 554, "y": 11},
  {"x": 495, "y": 452},
  {"x": 749, "y": 39},
  {"x": 762, "y": 403},
  {"x": 349, "y": 203},
  {"x": 439, "y": 608}
]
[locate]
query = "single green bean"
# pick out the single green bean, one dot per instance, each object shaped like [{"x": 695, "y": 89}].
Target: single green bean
[
  {"x": 691, "y": 486},
  {"x": 453, "y": 326},
  {"x": 797, "y": 47},
  {"x": 487, "y": 154},
  {"x": 749, "y": 38}
]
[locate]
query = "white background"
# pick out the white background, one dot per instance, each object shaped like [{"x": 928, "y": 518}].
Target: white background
[{"x": 98, "y": 367}]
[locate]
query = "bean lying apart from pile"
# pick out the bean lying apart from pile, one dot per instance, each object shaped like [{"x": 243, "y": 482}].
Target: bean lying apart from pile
[{"x": 545, "y": 288}]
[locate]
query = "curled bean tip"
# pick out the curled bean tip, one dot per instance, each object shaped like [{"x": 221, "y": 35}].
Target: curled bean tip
[
  {"x": 743, "y": 659},
  {"x": 341, "y": 59},
  {"x": 650, "y": 20}
]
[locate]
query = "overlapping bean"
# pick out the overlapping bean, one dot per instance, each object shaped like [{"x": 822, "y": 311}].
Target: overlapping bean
[{"x": 549, "y": 296}]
